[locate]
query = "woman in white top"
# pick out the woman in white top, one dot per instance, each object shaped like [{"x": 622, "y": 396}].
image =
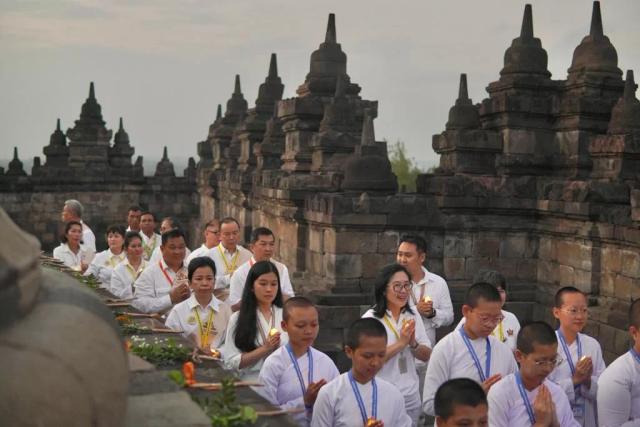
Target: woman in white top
[
  {"x": 130, "y": 269},
  {"x": 104, "y": 262},
  {"x": 71, "y": 251},
  {"x": 406, "y": 336},
  {"x": 254, "y": 331}
]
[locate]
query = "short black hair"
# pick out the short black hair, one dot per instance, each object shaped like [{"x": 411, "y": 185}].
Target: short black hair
[
  {"x": 130, "y": 236},
  {"x": 364, "y": 327},
  {"x": 380, "y": 289},
  {"x": 148, "y": 213},
  {"x": 260, "y": 231},
  {"x": 118, "y": 229},
  {"x": 172, "y": 234},
  {"x": 634, "y": 313},
  {"x": 457, "y": 392},
  {"x": 67, "y": 227},
  {"x": 134, "y": 208},
  {"x": 561, "y": 293},
  {"x": 201, "y": 261},
  {"x": 481, "y": 290},
  {"x": 421, "y": 244},
  {"x": 535, "y": 333},
  {"x": 295, "y": 302},
  {"x": 491, "y": 276}
]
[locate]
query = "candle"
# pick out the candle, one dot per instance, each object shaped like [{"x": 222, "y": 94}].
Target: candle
[
  {"x": 273, "y": 331},
  {"x": 371, "y": 422},
  {"x": 426, "y": 299}
]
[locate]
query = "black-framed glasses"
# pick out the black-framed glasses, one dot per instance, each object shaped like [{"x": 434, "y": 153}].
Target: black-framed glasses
[{"x": 399, "y": 286}]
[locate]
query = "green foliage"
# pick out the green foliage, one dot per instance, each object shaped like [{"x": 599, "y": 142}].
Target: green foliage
[
  {"x": 132, "y": 329},
  {"x": 404, "y": 167},
  {"x": 160, "y": 352},
  {"x": 223, "y": 409},
  {"x": 89, "y": 280},
  {"x": 177, "y": 377}
]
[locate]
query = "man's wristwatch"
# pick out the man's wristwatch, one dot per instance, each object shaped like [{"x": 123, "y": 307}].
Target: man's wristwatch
[
  {"x": 413, "y": 347},
  {"x": 433, "y": 314}
]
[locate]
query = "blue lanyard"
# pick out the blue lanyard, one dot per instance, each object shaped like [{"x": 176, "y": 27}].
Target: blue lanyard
[
  {"x": 297, "y": 368},
  {"x": 474, "y": 356},
  {"x": 374, "y": 403},
  {"x": 525, "y": 399},
  {"x": 635, "y": 354},
  {"x": 567, "y": 353}
]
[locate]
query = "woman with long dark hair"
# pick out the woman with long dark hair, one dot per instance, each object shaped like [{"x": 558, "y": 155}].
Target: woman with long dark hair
[
  {"x": 406, "y": 336},
  {"x": 254, "y": 331}
]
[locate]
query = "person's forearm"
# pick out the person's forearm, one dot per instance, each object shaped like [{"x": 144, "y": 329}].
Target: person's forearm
[
  {"x": 422, "y": 352},
  {"x": 252, "y": 357},
  {"x": 394, "y": 349}
]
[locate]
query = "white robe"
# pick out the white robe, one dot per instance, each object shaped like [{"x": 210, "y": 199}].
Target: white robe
[
  {"x": 506, "y": 408},
  {"x": 103, "y": 265},
  {"x": 281, "y": 383},
  {"x": 561, "y": 375},
  {"x": 73, "y": 260},
  {"x": 619, "y": 393},
  {"x": 336, "y": 404},
  {"x": 510, "y": 329},
  {"x": 123, "y": 277},
  {"x": 240, "y": 277},
  {"x": 451, "y": 359}
]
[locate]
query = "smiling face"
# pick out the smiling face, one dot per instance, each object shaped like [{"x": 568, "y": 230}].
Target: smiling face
[
  {"x": 265, "y": 288},
  {"x": 174, "y": 251},
  {"x": 203, "y": 281},
  {"x": 368, "y": 358},
  {"x": 302, "y": 325},
  {"x": 397, "y": 292},
  {"x": 573, "y": 312}
]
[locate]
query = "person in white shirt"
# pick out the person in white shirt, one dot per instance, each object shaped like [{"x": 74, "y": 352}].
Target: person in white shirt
[
  {"x": 619, "y": 384},
  {"x": 262, "y": 245},
  {"x": 508, "y": 328},
  {"x": 228, "y": 255},
  {"x": 255, "y": 331},
  {"x": 126, "y": 273},
  {"x": 211, "y": 239},
  {"x": 73, "y": 253},
  {"x": 358, "y": 397},
  {"x": 471, "y": 351},
  {"x": 168, "y": 223},
  {"x": 165, "y": 283},
  {"x": 461, "y": 402},
  {"x": 150, "y": 239},
  {"x": 293, "y": 374},
  {"x": 582, "y": 356},
  {"x": 72, "y": 211},
  {"x": 134, "y": 214},
  {"x": 202, "y": 317},
  {"x": 104, "y": 262},
  {"x": 406, "y": 337},
  {"x": 527, "y": 397}
]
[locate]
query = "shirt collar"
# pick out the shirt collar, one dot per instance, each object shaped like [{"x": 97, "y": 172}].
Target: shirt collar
[
  {"x": 425, "y": 279},
  {"x": 165, "y": 266},
  {"x": 192, "y": 302}
]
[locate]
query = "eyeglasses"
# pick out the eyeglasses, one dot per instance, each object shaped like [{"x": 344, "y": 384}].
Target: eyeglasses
[
  {"x": 575, "y": 312},
  {"x": 490, "y": 320},
  {"x": 550, "y": 363},
  {"x": 398, "y": 286}
]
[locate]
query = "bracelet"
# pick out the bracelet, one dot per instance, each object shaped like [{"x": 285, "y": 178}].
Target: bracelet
[
  {"x": 433, "y": 314},
  {"x": 413, "y": 347}
]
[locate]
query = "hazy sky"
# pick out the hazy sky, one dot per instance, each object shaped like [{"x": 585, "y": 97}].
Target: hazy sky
[{"x": 164, "y": 65}]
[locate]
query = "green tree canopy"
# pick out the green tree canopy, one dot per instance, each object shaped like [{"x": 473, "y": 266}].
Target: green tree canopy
[{"x": 403, "y": 166}]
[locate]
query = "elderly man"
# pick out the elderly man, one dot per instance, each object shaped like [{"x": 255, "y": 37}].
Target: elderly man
[
  {"x": 211, "y": 239},
  {"x": 228, "y": 255},
  {"x": 72, "y": 211}
]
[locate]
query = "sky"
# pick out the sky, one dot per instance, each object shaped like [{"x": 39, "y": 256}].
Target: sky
[{"x": 165, "y": 65}]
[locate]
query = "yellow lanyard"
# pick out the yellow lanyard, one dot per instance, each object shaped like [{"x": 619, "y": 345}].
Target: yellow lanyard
[
  {"x": 135, "y": 274},
  {"x": 204, "y": 333},
  {"x": 113, "y": 263},
  {"x": 390, "y": 325},
  {"x": 229, "y": 268},
  {"x": 148, "y": 249},
  {"x": 500, "y": 329}
]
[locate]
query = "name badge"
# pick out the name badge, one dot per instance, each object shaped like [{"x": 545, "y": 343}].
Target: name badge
[{"x": 191, "y": 320}]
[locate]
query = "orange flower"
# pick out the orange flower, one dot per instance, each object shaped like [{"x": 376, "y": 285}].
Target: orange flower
[
  {"x": 127, "y": 345},
  {"x": 188, "y": 371}
]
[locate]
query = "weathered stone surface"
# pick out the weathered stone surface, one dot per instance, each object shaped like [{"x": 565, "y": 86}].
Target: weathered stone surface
[{"x": 164, "y": 409}]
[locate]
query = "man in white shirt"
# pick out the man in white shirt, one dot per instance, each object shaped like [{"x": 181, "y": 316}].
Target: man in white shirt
[
  {"x": 211, "y": 239},
  {"x": 164, "y": 283},
  {"x": 228, "y": 255},
  {"x": 471, "y": 351},
  {"x": 527, "y": 397},
  {"x": 168, "y": 223},
  {"x": 461, "y": 402},
  {"x": 150, "y": 239},
  {"x": 619, "y": 384},
  {"x": 133, "y": 218},
  {"x": 262, "y": 245},
  {"x": 72, "y": 211}
]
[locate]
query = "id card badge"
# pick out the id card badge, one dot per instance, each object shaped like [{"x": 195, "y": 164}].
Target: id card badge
[
  {"x": 402, "y": 363},
  {"x": 578, "y": 408}
]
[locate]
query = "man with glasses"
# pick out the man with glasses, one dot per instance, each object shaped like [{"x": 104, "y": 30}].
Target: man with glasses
[
  {"x": 471, "y": 351},
  {"x": 528, "y": 397},
  {"x": 211, "y": 240},
  {"x": 583, "y": 363},
  {"x": 228, "y": 255}
]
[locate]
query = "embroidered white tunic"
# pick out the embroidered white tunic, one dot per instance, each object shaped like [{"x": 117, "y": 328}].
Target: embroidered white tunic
[
  {"x": 149, "y": 244},
  {"x": 70, "y": 259},
  {"x": 240, "y": 277},
  {"x": 507, "y": 409},
  {"x": 451, "y": 359},
  {"x": 507, "y": 329},
  {"x": 336, "y": 404},
  {"x": 561, "y": 375},
  {"x": 619, "y": 393},
  {"x": 102, "y": 266},
  {"x": 151, "y": 289},
  {"x": 232, "y": 354},
  {"x": 281, "y": 384},
  {"x": 123, "y": 277},
  {"x": 223, "y": 278},
  {"x": 182, "y": 318}
]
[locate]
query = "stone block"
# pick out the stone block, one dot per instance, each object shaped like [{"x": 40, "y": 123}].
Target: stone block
[
  {"x": 513, "y": 246},
  {"x": 582, "y": 280},
  {"x": 457, "y": 245},
  {"x": 316, "y": 239},
  {"x": 607, "y": 284},
  {"x": 388, "y": 242},
  {"x": 611, "y": 260},
  {"x": 435, "y": 265},
  {"x": 454, "y": 268},
  {"x": 343, "y": 265},
  {"x": 488, "y": 247},
  {"x": 372, "y": 263},
  {"x": 622, "y": 287},
  {"x": 527, "y": 269},
  {"x": 566, "y": 275},
  {"x": 622, "y": 341},
  {"x": 545, "y": 272},
  {"x": 435, "y": 245},
  {"x": 165, "y": 409},
  {"x": 630, "y": 263},
  {"x": 314, "y": 263},
  {"x": 350, "y": 242},
  {"x": 574, "y": 254}
]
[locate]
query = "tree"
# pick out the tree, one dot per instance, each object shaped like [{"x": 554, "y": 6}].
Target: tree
[{"x": 404, "y": 167}]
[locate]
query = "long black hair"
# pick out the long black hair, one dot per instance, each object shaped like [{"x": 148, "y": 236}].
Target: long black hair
[
  {"x": 246, "y": 329},
  {"x": 380, "y": 288}
]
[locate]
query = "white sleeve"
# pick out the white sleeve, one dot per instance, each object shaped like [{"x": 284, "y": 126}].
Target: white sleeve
[
  {"x": 93, "y": 268},
  {"x": 437, "y": 373},
  {"x": 400, "y": 417},
  {"x": 565, "y": 414},
  {"x": 566, "y": 384},
  {"x": 498, "y": 409},
  {"x": 287, "y": 287},
  {"x": 614, "y": 399},
  {"x": 230, "y": 353},
  {"x": 323, "y": 409},
  {"x": 89, "y": 240},
  {"x": 173, "y": 320},
  {"x": 235, "y": 289},
  {"x": 421, "y": 333},
  {"x": 223, "y": 281},
  {"x": 145, "y": 296},
  {"x": 443, "y": 306},
  {"x": 118, "y": 287},
  {"x": 269, "y": 379},
  {"x": 598, "y": 368}
]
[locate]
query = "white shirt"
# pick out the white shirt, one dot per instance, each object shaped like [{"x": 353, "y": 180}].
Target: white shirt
[
  {"x": 70, "y": 259},
  {"x": 451, "y": 359},
  {"x": 407, "y": 382},
  {"x": 232, "y": 354},
  {"x": 281, "y": 383},
  {"x": 561, "y": 375},
  {"x": 436, "y": 288},
  {"x": 619, "y": 393},
  {"x": 88, "y": 238},
  {"x": 240, "y": 277},
  {"x": 223, "y": 278},
  {"x": 182, "y": 318},
  {"x": 149, "y": 244},
  {"x": 336, "y": 404},
  {"x": 123, "y": 277},
  {"x": 151, "y": 289},
  {"x": 506, "y": 331},
  {"x": 506, "y": 407},
  {"x": 201, "y": 251},
  {"x": 103, "y": 264}
]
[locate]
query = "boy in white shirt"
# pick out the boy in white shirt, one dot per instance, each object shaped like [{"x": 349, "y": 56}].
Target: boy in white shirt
[
  {"x": 619, "y": 384},
  {"x": 471, "y": 351},
  {"x": 357, "y": 398},
  {"x": 461, "y": 402},
  {"x": 528, "y": 398},
  {"x": 293, "y": 374},
  {"x": 582, "y": 357}
]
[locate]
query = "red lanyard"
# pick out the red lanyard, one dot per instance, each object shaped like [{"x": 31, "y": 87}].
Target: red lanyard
[{"x": 165, "y": 274}]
